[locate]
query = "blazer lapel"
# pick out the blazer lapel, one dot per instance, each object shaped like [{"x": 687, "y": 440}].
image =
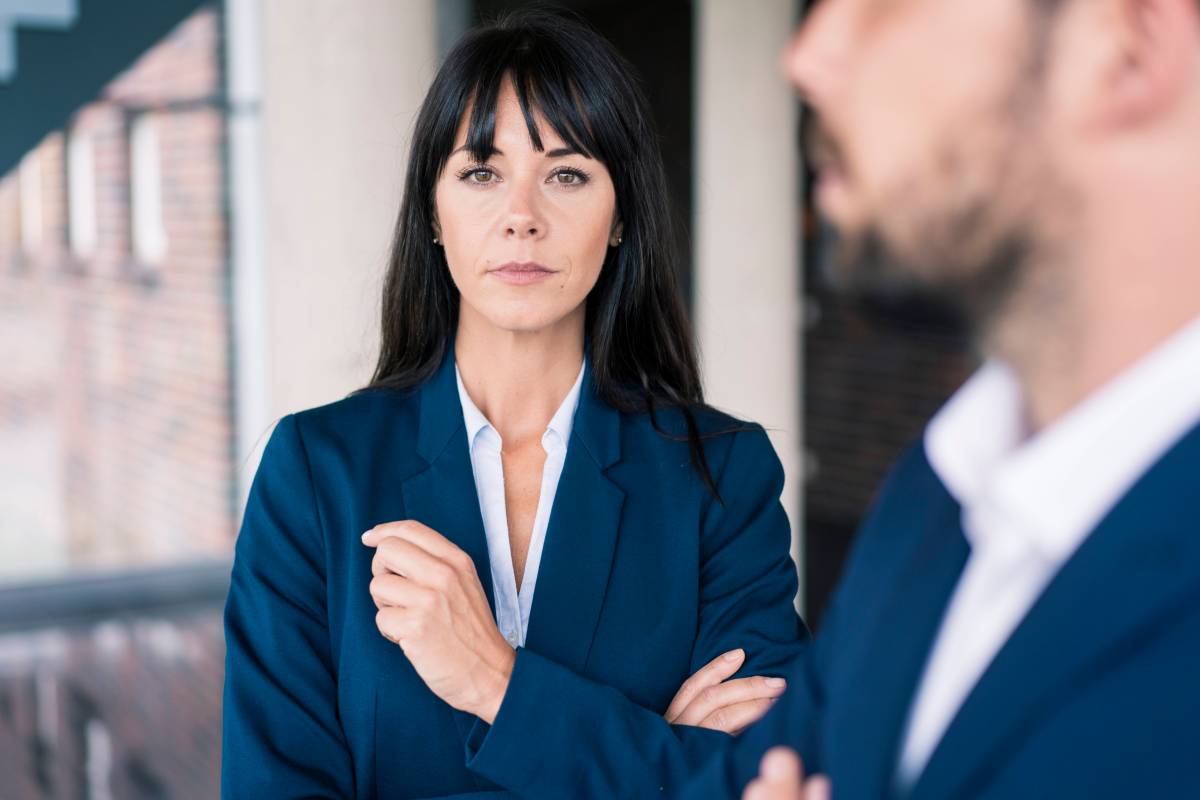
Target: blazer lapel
[
  {"x": 1140, "y": 565},
  {"x": 581, "y": 537},
  {"x": 443, "y": 496},
  {"x": 883, "y": 667}
]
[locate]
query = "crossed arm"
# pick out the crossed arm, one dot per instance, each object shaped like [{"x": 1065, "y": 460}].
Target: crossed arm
[
  {"x": 280, "y": 710},
  {"x": 432, "y": 605}
]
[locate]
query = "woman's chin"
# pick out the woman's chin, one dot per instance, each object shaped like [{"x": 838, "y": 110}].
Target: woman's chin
[
  {"x": 524, "y": 320},
  {"x": 523, "y": 316}
]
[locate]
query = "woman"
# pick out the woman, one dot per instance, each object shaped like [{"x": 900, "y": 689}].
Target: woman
[{"x": 535, "y": 421}]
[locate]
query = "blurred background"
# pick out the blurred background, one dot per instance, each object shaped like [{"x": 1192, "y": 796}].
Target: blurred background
[{"x": 195, "y": 205}]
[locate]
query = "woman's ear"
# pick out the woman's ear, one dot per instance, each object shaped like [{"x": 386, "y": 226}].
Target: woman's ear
[
  {"x": 617, "y": 233},
  {"x": 437, "y": 231}
]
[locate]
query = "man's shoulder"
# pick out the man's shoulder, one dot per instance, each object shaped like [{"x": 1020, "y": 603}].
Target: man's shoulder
[{"x": 909, "y": 500}]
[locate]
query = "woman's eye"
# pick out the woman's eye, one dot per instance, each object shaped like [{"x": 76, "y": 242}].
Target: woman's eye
[
  {"x": 482, "y": 175},
  {"x": 569, "y": 178}
]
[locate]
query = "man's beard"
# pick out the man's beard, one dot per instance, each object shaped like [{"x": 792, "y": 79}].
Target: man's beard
[
  {"x": 945, "y": 285},
  {"x": 966, "y": 231}
]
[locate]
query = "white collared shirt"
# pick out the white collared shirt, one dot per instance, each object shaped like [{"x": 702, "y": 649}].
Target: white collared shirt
[
  {"x": 1029, "y": 502},
  {"x": 513, "y": 604}
]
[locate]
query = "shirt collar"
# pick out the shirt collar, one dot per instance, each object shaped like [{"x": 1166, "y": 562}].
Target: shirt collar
[
  {"x": 1053, "y": 488},
  {"x": 558, "y": 432}
]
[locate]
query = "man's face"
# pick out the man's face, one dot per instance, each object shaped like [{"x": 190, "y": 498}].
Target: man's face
[{"x": 929, "y": 140}]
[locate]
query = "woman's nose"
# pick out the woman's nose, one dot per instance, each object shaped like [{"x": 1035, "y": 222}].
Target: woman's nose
[
  {"x": 522, "y": 229},
  {"x": 524, "y": 219}
]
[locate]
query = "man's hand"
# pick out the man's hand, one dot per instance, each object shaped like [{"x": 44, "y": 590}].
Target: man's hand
[
  {"x": 432, "y": 604},
  {"x": 708, "y": 700},
  {"x": 781, "y": 777}
]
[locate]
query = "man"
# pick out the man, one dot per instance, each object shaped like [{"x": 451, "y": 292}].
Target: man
[{"x": 1020, "y": 616}]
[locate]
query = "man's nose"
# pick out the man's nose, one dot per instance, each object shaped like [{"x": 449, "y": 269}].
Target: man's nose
[{"x": 816, "y": 58}]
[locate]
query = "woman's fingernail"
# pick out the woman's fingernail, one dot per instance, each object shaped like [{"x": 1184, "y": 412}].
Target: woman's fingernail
[
  {"x": 733, "y": 655},
  {"x": 776, "y": 683},
  {"x": 365, "y": 535}
]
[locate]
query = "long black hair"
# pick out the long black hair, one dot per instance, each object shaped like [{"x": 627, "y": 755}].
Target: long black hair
[{"x": 643, "y": 355}]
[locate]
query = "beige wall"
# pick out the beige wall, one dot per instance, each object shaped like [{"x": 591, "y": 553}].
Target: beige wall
[
  {"x": 340, "y": 87},
  {"x": 747, "y": 262},
  {"x": 342, "y": 83}
]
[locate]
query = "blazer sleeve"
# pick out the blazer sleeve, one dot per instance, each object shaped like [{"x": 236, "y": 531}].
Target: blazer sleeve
[
  {"x": 593, "y": 742},
  {"x": 794, "y": 721},
  {"x": 748, "y": 580},
  {"x": 280, "y": 732},
  {"x": 797, "y": 718}
]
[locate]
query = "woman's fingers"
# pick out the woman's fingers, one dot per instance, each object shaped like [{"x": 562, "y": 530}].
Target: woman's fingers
[
  {"x": 734, "y": 718},
  {"x": 712, "y": 698},
  {"x": 422, "y": 536},
  {"x": 402, "y": 557},
  {"x": 390, "y": 589},
  {"x": 711, "y": 674}
]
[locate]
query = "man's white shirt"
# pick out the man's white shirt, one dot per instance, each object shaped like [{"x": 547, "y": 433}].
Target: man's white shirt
[{"x": 1028, "y": 502}]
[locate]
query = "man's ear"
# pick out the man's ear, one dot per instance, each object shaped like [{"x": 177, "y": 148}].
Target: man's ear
[{"x": 1153, "y": 60}]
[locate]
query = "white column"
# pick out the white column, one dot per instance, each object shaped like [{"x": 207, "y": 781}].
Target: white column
[
  {"x": 341, "y": 84},
  {"x": 746, "y": 228},
  {"x": 243, "y": 37}
]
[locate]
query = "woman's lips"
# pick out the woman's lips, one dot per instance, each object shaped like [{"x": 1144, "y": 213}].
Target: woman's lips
[{"x": 522, "y": 273}]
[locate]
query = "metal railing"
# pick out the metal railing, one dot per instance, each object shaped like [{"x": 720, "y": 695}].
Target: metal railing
[
  {"x": 89, "y": 598},
  {"x": 110, "y": 684}
]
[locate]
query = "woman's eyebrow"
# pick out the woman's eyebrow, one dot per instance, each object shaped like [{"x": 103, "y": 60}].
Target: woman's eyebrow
[{"x": 560, "y": 152}]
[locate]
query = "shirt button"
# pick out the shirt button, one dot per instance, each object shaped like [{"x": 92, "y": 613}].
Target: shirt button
[{"x": 511, "y": 637}]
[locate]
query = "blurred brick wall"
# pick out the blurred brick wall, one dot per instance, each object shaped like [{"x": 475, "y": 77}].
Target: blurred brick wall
[
  {"x": 115, "y": 397},
  {"x": 872, "y": 381},
  {"x": 116, "y": 442}
]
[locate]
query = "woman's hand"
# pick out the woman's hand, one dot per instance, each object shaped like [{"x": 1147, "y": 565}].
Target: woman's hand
[
  {"x": 432, "y": 604},
  {"x": 708, "y": 700}
]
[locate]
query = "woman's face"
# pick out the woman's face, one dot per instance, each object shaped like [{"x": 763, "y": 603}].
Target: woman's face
[{"x": 525, "y": 233}]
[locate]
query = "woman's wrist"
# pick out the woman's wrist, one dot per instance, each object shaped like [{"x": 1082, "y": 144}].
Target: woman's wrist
[{"x": 493, "y": 680}]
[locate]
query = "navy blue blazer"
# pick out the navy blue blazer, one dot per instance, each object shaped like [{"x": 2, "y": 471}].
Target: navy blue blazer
[
  {"x": 644, "y": 578},
  {"x": 1095, "y": 695}
]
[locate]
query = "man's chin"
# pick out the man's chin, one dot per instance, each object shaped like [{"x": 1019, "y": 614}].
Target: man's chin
[{"x": 865, "y": 271}]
